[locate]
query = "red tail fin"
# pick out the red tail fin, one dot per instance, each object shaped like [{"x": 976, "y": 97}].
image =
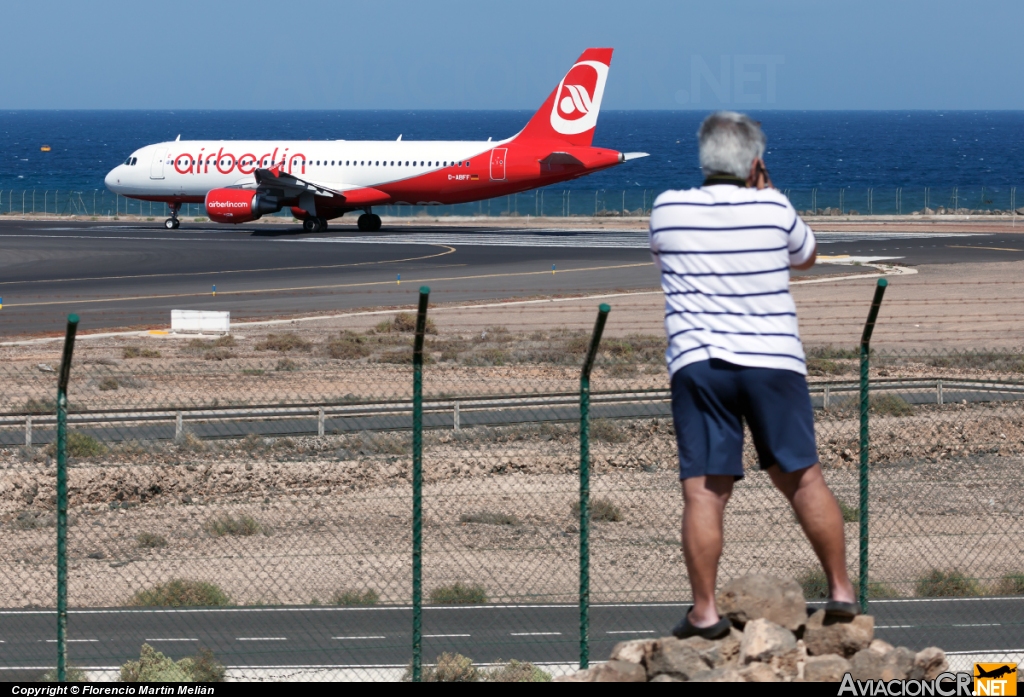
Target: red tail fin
[{"x": 570, "y": 112}]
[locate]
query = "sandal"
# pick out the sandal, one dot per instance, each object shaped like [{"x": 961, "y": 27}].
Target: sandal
[
  {"x": 841, "y": 610},
  {"x": 685, "y": 629}
]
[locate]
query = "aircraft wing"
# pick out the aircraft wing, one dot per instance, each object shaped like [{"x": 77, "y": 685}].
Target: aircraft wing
[{"x": 310, "y": 194}]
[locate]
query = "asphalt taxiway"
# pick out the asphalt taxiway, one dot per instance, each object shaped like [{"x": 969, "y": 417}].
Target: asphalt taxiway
[{"x": 130, "y": 274}]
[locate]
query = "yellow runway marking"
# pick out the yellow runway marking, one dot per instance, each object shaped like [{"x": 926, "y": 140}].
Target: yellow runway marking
[
  {"x": 448, "y": 250},
  {"x": 834, "y": 257},
  {"x": 995, "y": 249},
  {"x": 259, "y": 291}
]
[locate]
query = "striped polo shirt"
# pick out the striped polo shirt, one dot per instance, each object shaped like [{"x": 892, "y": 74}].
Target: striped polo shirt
[{"x": 724, "y": 252}]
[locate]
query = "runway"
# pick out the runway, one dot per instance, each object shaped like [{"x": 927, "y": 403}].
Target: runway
[
  {"x": 132, "y": 275},
  {"x": 369, "y": 637}
]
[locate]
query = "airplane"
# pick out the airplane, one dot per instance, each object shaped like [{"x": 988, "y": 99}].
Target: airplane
[
  {"x": 995, "y": 673},
  {"x": 240, "y": 181}
]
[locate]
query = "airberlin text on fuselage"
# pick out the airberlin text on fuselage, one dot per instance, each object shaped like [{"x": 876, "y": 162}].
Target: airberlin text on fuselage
[{"x": 225, "y": 162}]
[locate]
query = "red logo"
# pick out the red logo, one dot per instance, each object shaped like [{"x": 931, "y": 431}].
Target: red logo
[{"x": 576, "y": 98}]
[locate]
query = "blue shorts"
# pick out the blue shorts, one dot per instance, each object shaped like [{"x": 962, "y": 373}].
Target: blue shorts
[{"x": 710, "y": 401}]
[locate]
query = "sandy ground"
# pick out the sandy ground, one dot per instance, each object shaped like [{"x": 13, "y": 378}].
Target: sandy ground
[{"x": 334, "y": 514}]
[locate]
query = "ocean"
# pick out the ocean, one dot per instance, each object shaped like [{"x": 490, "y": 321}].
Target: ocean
[{"x": 827, "y": 151}]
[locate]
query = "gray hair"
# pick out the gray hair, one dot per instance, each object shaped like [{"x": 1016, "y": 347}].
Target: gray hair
[{"x": 729, "y": 143}]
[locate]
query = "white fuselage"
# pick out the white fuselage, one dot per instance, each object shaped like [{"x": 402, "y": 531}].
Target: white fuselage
[{"x": 189, "y": 169}]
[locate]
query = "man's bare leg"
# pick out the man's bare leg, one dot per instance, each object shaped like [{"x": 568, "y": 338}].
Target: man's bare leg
[
  {"x": 704, "y": 500},
  {"x": 819, "y": 515}
]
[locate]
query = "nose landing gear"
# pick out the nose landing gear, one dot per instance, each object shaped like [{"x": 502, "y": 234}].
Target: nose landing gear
[
  {"x": 368, "y": 222},
  {"x": 172, "y": 223}
]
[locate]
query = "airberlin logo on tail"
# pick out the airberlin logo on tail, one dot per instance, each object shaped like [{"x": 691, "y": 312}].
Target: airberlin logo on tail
[{"x": 578, "y": 100}]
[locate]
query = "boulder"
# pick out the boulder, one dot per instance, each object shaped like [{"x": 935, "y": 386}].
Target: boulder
[
  {"x": 828, "y": 668},
  {"x": 759, "y": 672},
  {"x": 718, "y": 675},
  {"x": 764, "y": 640},
  {"x": 929, "y": 663},
  {"x": 665, "y": 677},
  {"x": 873, "y": 664},
  {"x": 632, "y": 651},
  {"x": 760, "y": 596},
  {"x": 674, "y": 657},
  {"x": 844, "y": 637},
  {"x": 721, "y": 653},
  {"x": 612, "y": 671}
]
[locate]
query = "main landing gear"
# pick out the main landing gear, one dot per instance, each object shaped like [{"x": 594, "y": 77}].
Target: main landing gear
[
  {"x": 368, "y": 222},
  {"x": 314, "y": 224},
  {"x": 172, "y": 223}
]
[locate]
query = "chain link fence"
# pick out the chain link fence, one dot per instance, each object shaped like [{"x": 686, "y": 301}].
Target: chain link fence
[
  {"x": 556, "y": 203},
  {"x": 255, "y": 498}
]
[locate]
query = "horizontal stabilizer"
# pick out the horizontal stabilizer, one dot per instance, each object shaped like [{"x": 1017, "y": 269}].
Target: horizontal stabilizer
[
  {"x": 627, "y": 156},
  {"x": 561, "y": 158}
]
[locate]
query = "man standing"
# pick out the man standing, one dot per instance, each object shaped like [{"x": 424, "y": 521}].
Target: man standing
[{"x": 734, "y": 354}]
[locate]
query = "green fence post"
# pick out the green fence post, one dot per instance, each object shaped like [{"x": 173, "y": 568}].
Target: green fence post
[
  {"x": 865, "y": 352},
  {"x": 588, "y": 364},
  {"x": 62, "y": 499},
  {"x": 417, "y": 485}
]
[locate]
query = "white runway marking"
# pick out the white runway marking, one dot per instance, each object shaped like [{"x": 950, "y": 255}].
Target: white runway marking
[
  {"x": 633, "y": 631},
  {"x": 354, "y": 638},
  {"x": 261, "y": 638},
  {"x": 501, "y": 238},
  {"x": 172, "y": 639},
  {"x": 584, "y": 239},
  {"x": 535, "y": 634},
  {"x": 443, "y": 636},
  {"x": 74, "y": 641}
]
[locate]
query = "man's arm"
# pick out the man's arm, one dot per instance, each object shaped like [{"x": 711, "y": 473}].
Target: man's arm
[{"x": 810, "y": 260}]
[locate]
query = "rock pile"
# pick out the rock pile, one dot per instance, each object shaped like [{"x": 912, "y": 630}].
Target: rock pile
[{"x": 772, "y": 640}]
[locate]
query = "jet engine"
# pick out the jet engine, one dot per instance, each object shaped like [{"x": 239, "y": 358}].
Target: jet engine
[{"x": 239, "y": 205}]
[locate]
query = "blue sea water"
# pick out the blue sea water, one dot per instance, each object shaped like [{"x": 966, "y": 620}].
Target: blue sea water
[{"x": 827, "y": 150}]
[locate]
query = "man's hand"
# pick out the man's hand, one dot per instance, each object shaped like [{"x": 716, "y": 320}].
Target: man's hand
[{"x": 758, "y": 176}]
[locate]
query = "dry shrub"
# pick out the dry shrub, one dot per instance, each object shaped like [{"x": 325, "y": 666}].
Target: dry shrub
[
  {"x": 181, "y": 593},
  {"x": 608, "y": 431},
  {"x": 348, "y": 346},
  {"x": 516, "y": 671},
  {"x": 601, "y": 510},
  {"x": 450, "y": 667},
  {"x": 947, "y": 584},
  {"x": 136, "y": 352},
  {"x": 1011, "y": 584},
  {"x": 404, "y": 322},
  {"x": 150, "y": 540},
  {"x": 108, "y": 384},
  {"x": 283, "y": 343},
  {"x": 226, "y": 524},
  {"x": 459, "y": 594},
  {"x": 367, "y": 598}
]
